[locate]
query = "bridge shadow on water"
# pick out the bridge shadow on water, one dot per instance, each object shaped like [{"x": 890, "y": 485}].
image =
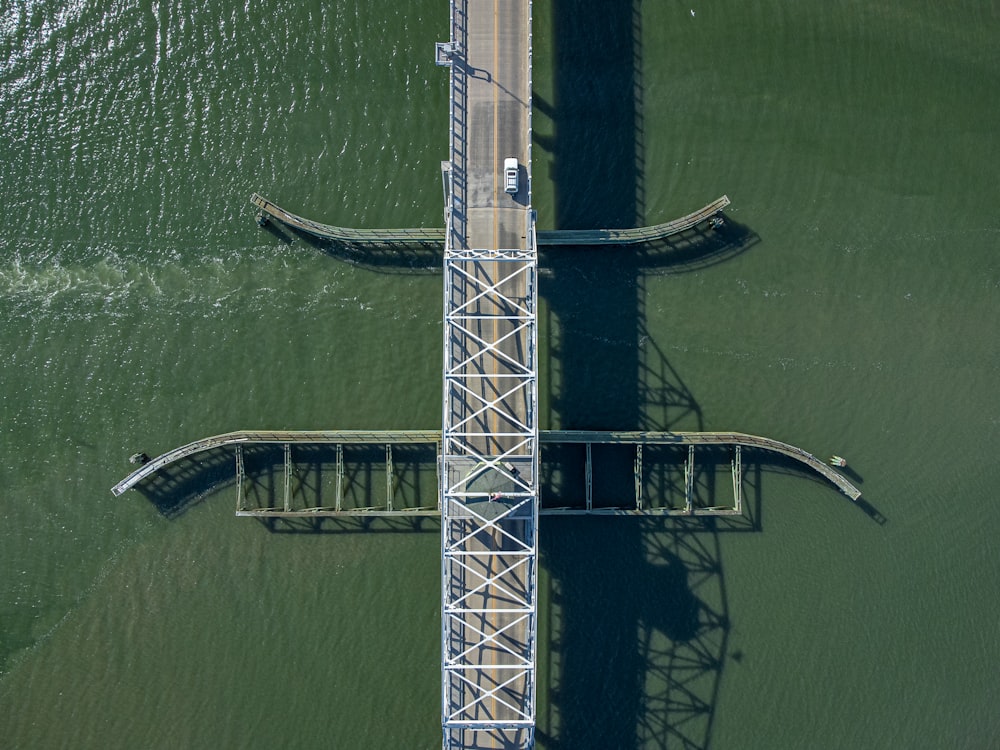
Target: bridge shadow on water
[{"x": 634, "y": 620}]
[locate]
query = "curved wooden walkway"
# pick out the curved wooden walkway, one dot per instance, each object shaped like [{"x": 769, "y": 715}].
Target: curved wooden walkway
[
  {"x": 715, "y": 438},
  {"x": 345, "y": 234},
  {"x": 589, "y": 237},
  {"x": 435, "y": 235},
  {"x": 244, "y": 437}
]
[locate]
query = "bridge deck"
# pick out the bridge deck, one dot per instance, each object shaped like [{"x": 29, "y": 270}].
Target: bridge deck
[{"x": 489, "y": 492}]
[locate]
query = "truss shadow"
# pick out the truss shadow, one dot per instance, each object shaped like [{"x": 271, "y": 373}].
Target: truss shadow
[
  {"x": 417, "y": 258},
  {"x": 637, "y": 616},
  {"x": 638, "y": 637},
  {"x": 177, "y": 488},
  {"x": 309, "y": 480},
  {"x": 398, "y": 524}
]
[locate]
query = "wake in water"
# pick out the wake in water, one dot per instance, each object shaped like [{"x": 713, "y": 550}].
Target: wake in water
[{"x": 41, "y": 281}]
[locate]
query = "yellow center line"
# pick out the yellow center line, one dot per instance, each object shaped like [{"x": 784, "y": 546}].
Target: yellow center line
[
  {"x": 496, "y": 246},
  {"x": 496, "y": 192},
  {"x": 496, "y": 110}
]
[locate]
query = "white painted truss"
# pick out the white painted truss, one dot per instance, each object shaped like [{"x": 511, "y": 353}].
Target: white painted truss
[{"x": 489, "y": 491}]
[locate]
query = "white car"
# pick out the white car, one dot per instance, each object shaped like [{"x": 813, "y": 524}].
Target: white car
[{"x": 510, "y": 174}]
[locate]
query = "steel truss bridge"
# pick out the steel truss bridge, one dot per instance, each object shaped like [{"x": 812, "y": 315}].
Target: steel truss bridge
[
  {"x": 487, "y": 472},
  {"x": 313, "y": 477}
]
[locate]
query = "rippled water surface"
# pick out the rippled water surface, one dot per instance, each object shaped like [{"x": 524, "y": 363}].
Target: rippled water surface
[{"x": 858, "y": 314}]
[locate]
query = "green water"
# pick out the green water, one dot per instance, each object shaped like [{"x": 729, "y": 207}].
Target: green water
[{"x": 142, "y": 308}]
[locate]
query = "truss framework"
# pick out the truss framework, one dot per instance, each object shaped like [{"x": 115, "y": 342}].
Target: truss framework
[{"x": 489, "y": 493}]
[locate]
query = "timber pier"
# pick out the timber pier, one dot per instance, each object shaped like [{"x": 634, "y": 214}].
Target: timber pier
[
  {"x": 268, "y": 210},
  {"x": 386, "y": 440}
]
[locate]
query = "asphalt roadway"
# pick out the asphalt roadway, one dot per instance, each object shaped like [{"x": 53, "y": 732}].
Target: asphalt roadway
[{"x": 490, "y": 351}]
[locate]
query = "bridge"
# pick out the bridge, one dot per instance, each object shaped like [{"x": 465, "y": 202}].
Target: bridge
[
  {"x": 489, "y": 441},
  {"x": 487, "y": 453}
]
